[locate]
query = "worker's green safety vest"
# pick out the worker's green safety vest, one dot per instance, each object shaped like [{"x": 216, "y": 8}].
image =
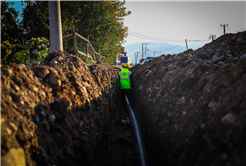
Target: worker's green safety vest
[{"x": 125, "y": 79}]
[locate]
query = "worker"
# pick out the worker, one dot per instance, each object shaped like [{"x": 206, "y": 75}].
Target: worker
[
  {"x": 126, "y": 85},
  {"x": 122, "y": 65}
]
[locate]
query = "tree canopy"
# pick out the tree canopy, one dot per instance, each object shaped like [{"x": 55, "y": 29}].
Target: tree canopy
[
  {"x": 10, "y": 29},
  {"x": 35, "y": 21},
  {"x": 101, "y": 20}
]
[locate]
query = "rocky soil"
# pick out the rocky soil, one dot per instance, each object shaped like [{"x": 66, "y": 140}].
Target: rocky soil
[
  {"x": 191, "y": 106},
  {"x": 56, "y": 114}
]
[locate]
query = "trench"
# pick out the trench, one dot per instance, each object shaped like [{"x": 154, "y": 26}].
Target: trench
[
  {"x": 117, "y": 146},
  {"x": 122, "y": 143}
]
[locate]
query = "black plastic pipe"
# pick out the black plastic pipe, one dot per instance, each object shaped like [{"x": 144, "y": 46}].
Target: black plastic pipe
[{"x": 140, "y": 148}]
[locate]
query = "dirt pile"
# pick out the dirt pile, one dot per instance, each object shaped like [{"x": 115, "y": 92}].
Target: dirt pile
[
  {"x": 192, "y": 106},
  {"x": 55, "y": 114},
  {"x": 227, "y": 48}
]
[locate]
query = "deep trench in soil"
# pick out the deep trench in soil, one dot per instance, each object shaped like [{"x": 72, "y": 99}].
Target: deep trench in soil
[{"x": 117, "y": 146}]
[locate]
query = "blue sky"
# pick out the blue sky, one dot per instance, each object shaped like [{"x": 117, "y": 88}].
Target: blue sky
[{"x": 18, "y": 7}]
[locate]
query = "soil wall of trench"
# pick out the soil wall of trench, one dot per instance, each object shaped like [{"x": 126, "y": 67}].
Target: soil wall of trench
[
  {"x": 55, "y": 114},
  {"x": 191, "y": 106}
]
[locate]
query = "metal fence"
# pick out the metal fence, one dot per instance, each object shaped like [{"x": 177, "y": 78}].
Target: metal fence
[{"x": 74, "y": 43}]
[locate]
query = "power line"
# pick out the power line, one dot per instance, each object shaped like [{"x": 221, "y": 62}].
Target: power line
[
  {"x": 166, "y": 40},
  {"x": 134, "y": 33},
  {"x": 160, "y": 39},
  {"x": 171, "y": 48},
  {"x": 197, "y": 40},
  {"x": 154, "y": 51},
  {"x": 151, "y": 37},
  {"x": 154, "y": 39}
]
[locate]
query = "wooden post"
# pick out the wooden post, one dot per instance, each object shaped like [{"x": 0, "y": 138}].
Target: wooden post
[
  {"x": 65, "y": 45},
  {"x": 186, "y": 44},
  {"x": 99, "y": 55},
  {"x": 55, "y": 26},
  {"x": 87, "y": 46},
  {"x": 74, "y": 42}
]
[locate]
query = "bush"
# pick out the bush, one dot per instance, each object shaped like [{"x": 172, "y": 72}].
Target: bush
[{"x": 30, "y": 53}]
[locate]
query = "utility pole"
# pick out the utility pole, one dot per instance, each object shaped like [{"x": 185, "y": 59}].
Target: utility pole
[
  {"x": 146, "y": 50},
  {"x": 74, "y": 42},
  {"x": 154, "y": 53},
  {"x": 143, "y": 50},
  {"x": 137, "y": 57},
  {"x": 186, "y": 44},
  {"x": 55, "y": 26},
  {"x": 224, "y": 25},
  {"x": 213, "y": 37}
]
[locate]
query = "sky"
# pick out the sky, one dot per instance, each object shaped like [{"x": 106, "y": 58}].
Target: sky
[
  {"x": 17, "y": 5},
  {"x": 174, "y": 21}
]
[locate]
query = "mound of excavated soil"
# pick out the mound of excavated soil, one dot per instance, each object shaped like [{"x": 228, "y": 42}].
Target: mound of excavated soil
[
  {"x": 192, "y": 106},
  {"x": 55, "y": 114}
]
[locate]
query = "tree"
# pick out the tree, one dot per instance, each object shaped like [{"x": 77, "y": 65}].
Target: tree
[
  {"x": 35, "y": 21},
  {"x": 101, "y": 20},
  {"x": 9, "y": 23}
]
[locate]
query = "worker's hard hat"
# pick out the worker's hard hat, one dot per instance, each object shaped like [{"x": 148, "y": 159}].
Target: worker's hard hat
[
  {"x": 127, "y": 65},
  {"x": 122, "y": 64}
]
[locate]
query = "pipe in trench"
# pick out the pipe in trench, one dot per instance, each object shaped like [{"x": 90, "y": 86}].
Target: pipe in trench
[{"x": 140, "y": 148}]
